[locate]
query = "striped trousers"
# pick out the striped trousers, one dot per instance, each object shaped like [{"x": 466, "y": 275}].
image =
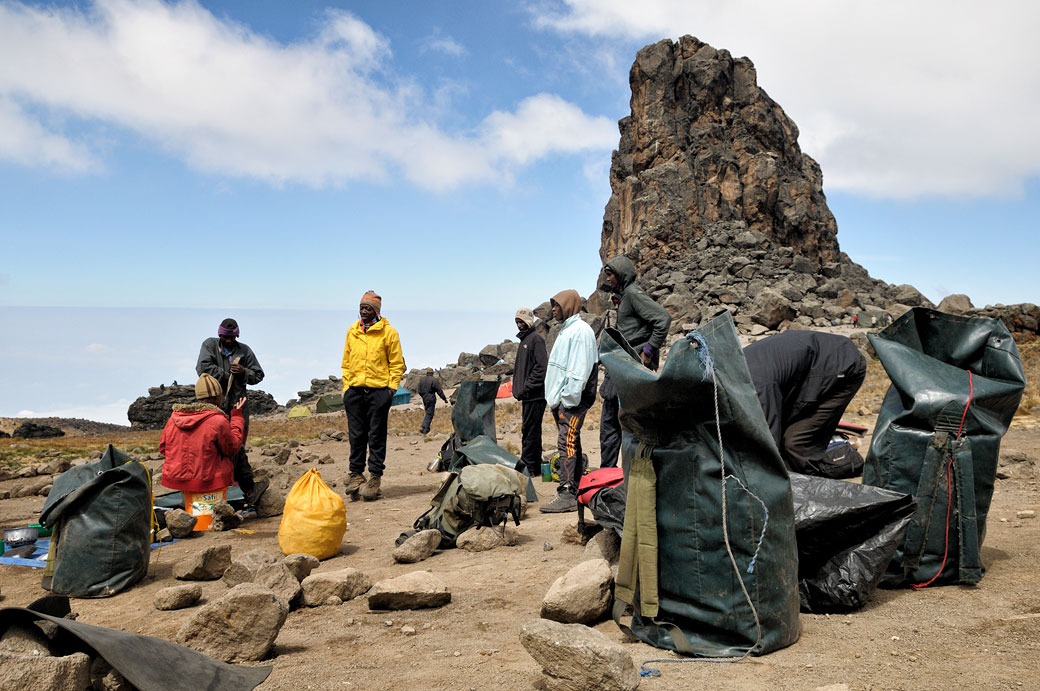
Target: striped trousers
[{"x": 568, "y": 442}]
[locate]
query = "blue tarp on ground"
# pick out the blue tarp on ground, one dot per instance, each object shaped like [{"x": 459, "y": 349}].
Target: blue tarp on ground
[{"x": 38, "y": 559}]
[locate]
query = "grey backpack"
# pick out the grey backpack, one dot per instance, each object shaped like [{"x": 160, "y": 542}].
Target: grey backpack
[{"x": 482, "y": 495}]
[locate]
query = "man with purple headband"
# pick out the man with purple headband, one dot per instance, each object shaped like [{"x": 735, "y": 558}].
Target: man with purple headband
[{"x": 234, "y": 365}]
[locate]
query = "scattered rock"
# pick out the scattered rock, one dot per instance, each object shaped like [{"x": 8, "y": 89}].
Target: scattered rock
[
  {"x": 244, "y": 567},
  {"x": 272, "y": 502},
  {"x": 25, "y": 640},
  {"x": 485, "y": 538},
  {"x": 224, "y": 517},
  {"x": 604, "y": 545},
  {"x": 418, "y": 547},
  {"x": 44, "y": 673},
  {"x": 104, "y": 678},
  {"x": 580, "y": 596},
  {"x": 1026, "y": 514},
  {"x": 180, "y": 523},
  {"x": 282, "y": 457},
  {"x": 280, "y": 580},
  {"x": 208, "y": 564},
  {"x": 574, "y": 657},
  {"x": 571, "y": 536},
  {"x": 239, "y": 627},
  {"x": 345, "y": 584},
  {"x": 301, "y": 564},
  {"x": 408, "y": 630},
  {"x": 414, "y": 590},
  {"x": 178, "y": 596}
]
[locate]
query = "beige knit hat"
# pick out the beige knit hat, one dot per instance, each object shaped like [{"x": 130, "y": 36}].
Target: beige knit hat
[
  {"x": 526, "y": 316},
  {"x": 207, "y": 387}
]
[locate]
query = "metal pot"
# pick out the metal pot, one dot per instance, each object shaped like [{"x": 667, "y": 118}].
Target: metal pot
[{"x": 16, "y": 537}]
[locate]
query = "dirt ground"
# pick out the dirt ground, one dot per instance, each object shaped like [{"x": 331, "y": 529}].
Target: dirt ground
[{"x": 986, "y": 636}]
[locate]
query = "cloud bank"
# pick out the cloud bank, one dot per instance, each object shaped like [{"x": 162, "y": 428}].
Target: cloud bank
[
  {"x": 227, "y": 101},
  {"x": 894, "y": 99}
]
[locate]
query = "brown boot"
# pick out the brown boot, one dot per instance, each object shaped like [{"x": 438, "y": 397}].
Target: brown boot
[
  {"x": 354, "y": 482},
  {"x": 370, "y": 491}
]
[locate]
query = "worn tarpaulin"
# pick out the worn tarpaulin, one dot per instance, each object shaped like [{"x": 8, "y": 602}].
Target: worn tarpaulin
[
  {"x": 956, "y": 383},
  {"x": 101, "y": 515},
  {"x": 706, "y": 606}
]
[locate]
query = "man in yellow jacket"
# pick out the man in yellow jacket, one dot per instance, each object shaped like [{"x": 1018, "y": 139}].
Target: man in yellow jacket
[{"x": 372, "y": 368}]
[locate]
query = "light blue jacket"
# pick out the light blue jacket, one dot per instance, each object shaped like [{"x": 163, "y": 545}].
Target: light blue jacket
[{"x": 571, "y": 361}]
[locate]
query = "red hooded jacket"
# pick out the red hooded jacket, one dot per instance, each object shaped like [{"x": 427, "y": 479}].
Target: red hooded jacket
[{"x": 199, "y": 444}]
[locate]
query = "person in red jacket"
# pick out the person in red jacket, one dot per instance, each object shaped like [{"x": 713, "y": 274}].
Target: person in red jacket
[{"x": 200, "y": 442}]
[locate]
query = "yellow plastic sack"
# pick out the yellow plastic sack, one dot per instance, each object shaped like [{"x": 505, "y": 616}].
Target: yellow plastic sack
[{"x": 314, "y": 518}]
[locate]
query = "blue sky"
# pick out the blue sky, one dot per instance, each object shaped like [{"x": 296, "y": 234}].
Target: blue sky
[{"x": 263, "y": 155}]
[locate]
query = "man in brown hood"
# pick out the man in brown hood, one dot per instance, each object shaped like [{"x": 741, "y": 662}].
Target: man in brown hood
[{"x": 570, "y": 389}]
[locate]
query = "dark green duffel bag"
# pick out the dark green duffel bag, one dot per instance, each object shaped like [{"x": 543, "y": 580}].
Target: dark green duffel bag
[
  {"x": 693, "y": 586},
  {"x": 101, "y": 515},
  {"x": 956, "y": 383}
]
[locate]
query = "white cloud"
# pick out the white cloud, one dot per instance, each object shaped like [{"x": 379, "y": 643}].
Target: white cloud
[
  {"x": 894, "y": 99},
  {"x": 97, "y": 348},
  {"x": 447, "y": 45},
  {"x": 231, "y": 102}
]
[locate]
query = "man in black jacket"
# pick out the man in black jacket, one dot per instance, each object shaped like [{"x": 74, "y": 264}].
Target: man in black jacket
[
  {"x": 644, "y": 324},
  {"x": 429, "y": 390},
  {"x": 529, "y": 389},
  {"x": 234, "y": 365},
  {"x": 804, "y": 381}
]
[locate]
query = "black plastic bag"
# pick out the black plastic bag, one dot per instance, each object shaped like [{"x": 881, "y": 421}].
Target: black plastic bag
[
  {"x": 101, "y": 516},
  {"x": 847, "y": 534}
]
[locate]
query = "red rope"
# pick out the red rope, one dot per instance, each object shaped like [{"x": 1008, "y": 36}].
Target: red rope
[{"x": 949, "y": 492}]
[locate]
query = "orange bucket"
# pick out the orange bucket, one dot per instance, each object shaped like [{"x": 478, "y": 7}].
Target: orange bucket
[{"x": 200, "y": 505}]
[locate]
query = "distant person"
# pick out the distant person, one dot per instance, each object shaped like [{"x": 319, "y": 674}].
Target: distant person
[
  {"x": 888, "y": 318},
  {"x": 372, "y": 369},
  {"x": 855, "y": 321},
  {"x": 233, "y": 364},
  {"x": 529, "y": 389},
  {"x": 429, "y": 390},
  {"x": 199, "y": 441},
  {"x": 570, "y": 390},
  {"x": 804, "y": 381},
  {"x": 873, "y": 321},
  {"x": 644, "y": 324}
]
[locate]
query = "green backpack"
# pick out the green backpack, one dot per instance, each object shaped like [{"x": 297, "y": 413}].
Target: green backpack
[{"x": 481, "y": 495}]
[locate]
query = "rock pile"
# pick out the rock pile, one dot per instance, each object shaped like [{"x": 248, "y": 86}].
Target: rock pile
[
  {"x": 152, "y": 411},
  {"x": 33, "y": 430}
]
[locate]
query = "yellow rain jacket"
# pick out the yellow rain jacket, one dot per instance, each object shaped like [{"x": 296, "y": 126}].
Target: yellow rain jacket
[{"x": 372, "y": 358}]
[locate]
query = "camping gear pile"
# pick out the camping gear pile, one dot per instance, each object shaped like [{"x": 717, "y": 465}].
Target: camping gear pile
[{"x": 956, "y": 383}]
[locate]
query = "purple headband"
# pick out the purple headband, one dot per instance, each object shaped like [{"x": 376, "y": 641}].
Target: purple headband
[{"x": 221, "y": 331}]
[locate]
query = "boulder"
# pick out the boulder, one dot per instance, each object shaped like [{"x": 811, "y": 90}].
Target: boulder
[
  {"x": 152, "y": 411},
  {"x": 44, "y": 673},
  {"x": 25, "y": 640},
  {"x": 208, "y": 564},
  {"x": 418, "y": 547},
  {"x": 301, "y": 564},
  {"x": 243, "y": 568},
  {"x": 271, "y": 503},
  {"x": 580, "y": 596},
  {"x": 770, "y": 308},
  {"x": 224, "y": 517},
  {"x": 956, "y": 304},
  {"x": 177, "y": 596},
  {"x": 345, "y": 584},
  {"x": 280, "y": 580},
  {"x": 574, "y": 657},
  {"x": 239, "y": 627},
  {"x": 604, "y": 545},
  {"x": 415, "y": 590},
  {"x": 34, "y": 430},
  {"x": 485, "y": 538}
]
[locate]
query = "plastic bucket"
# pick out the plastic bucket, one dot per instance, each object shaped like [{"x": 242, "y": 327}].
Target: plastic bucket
[{"x": 200, "y": 505}]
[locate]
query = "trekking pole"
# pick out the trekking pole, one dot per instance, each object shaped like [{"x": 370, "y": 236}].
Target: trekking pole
[{"x": 231, "y": 377}]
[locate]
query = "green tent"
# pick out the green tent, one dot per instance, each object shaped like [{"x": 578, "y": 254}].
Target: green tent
[{"x": 330, "y": 403}]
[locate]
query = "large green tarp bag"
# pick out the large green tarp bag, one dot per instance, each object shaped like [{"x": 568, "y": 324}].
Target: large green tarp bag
[
  {"x": 473, "y": 411},
  {"x": 694, "y": 587},
  {"x": 101, "y": 517},
  {"x": 956, "y": 383}
]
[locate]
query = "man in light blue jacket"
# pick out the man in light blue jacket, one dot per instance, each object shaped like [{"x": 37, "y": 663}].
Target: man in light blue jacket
[{"x": 570, "y": 389}]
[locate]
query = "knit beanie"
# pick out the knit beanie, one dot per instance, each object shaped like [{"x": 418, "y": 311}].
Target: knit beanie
[
  {"x": 526, "y": 316},
  {"x": 371, "y": 299},
  {"x": 207, "y": 387}
]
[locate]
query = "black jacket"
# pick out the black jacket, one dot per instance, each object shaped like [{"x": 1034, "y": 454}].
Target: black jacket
[
  {"x": 213, "y": 362},
  {"x": 530, "y": 366},
  {"x": 794, "y": 370},
  {"x": 429, "y": 388},
  {"x": 639, "y": 318}
]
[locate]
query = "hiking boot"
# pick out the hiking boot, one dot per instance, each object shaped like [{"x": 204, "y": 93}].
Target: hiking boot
[
  {"x": 371, "y": 491},
  {"x": 354, "y": 482},
  {"x": 564, "y": 502},
  {"x": 259, "y": 487}
]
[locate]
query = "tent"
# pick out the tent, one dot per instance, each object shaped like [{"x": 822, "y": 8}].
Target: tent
[
  {"x": 299, "y": 411},
  {"x": 506, "y": 390},
  {"x": 330, "y": 403},
  {"x": 401, "y": 396}
]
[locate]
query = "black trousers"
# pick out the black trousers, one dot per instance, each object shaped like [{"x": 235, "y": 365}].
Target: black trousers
[
  {"x": 531, "y": 436},
  {"x": 367, "y": 412},
  {"x": 243, "y": 472},
  {"x": 805, "y": 439},
  {"x": 430, "y": 403},
  {"x": 610, "y": 433},
  {"x": 568, "y": 442}
]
